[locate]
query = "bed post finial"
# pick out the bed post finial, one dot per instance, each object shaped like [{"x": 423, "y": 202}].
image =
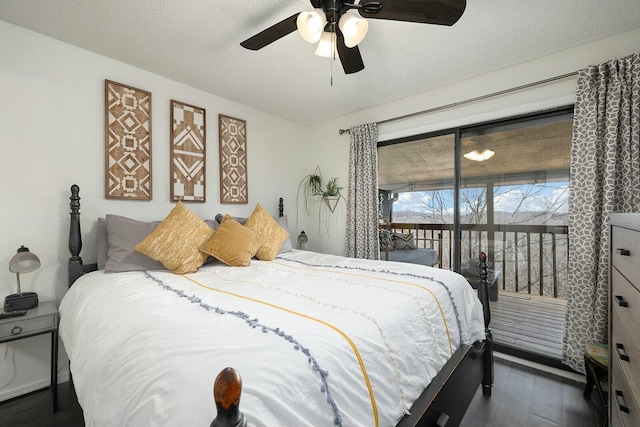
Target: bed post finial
[
  {"x": 281, "y": 207},
  {"x": 226, "y": 392}
]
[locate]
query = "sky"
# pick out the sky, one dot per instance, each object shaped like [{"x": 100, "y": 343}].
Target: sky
[{"x": 536, "y": 197}]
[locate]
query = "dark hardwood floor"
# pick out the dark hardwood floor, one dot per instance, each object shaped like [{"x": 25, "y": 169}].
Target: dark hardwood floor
[
  {"x": 36, "y": 409},
  {"x": 522, "y": 397}
]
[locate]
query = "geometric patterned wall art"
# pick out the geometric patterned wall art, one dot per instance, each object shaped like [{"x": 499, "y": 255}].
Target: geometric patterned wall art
[
  {"x": 188, "y": 141},
  {"x": 233, "y": 160},
  {"x": 127, "y": 142}
]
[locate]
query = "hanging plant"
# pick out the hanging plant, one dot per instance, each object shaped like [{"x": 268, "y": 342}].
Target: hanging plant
[
  {"x": 315, "y": 184},
  {"x": 309, "y": 186}
]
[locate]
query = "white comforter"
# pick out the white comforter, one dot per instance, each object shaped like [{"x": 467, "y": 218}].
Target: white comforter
[{"x": 318, "y": 340}]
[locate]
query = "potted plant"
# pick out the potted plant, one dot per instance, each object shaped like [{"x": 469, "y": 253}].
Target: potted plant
[{"x": 331, "y": 193}]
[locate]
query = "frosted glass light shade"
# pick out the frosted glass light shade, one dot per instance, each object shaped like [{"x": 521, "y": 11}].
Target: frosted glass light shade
[
  {"x": 311, "y": 25},
  {"x": 353, "y": 29},
  {"x": 478, "y": 156},
  {"x": 327, "y": 45},
  {"x": 24, "y": 261}
]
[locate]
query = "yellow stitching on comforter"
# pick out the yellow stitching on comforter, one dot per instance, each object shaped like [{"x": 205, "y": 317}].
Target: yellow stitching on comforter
[
  {"x": 444, "y": 320},
  {"x": 374, "y": 407}
]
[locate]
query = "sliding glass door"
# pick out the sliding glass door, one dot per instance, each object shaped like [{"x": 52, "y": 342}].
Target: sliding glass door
[{"x": 501, "y": 188}]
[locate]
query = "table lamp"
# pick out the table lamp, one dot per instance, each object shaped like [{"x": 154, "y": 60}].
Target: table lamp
[
  {"x": 302, "y": 239},
  {"x": 22, "y": 262}
]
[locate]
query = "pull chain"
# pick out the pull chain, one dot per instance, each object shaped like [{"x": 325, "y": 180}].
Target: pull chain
[{"x": 333, "y": 53}]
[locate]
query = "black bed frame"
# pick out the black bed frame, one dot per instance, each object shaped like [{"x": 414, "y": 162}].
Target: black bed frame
[{"x": 443, "y": 403}]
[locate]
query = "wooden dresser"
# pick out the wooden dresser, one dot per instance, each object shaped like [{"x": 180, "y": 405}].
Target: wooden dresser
[{"x": 624, "y": 321}]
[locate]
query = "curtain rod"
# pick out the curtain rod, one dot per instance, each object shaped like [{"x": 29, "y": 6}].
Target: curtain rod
[{"x": 469, "y": 101}]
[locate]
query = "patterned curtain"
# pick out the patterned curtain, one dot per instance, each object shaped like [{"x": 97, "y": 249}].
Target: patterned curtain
[
  {"x": 362, "y": 195},
  {"x": 605, "y": 178}
]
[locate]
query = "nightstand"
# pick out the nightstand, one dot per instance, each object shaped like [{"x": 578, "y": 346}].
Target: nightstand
[{"x": 38, "y": 321}]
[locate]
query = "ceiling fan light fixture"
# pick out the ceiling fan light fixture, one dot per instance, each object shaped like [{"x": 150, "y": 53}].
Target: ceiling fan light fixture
[
  {"x": 353, "y": 29},
  {"x": 311, "y": 25},
  {"x": 327, "y": 46},
  {"x": 478, "y": 156}
]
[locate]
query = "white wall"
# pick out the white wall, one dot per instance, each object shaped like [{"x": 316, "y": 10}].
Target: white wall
[
  {"x": 331, "y": 150},
  {"x": 52, "y": 136}
]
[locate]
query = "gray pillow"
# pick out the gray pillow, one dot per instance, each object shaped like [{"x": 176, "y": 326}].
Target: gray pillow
[
  {"x": 286, "y": 245},
  {"x": 103, "y": 243},
  {"x": 403, "y": 241},
  {"x": 386, "y": 241},
  {"x": 117, "y": 237},
  {"x": 241, "y": 220},
  {"x": 124, "y": 234}
]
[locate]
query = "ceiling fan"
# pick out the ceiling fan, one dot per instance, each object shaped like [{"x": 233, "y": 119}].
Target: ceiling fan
[{"x": 336, "y": 25}]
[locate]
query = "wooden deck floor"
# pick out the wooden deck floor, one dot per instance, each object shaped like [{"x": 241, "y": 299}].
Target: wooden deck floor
[{"x": 530, "y": 323}]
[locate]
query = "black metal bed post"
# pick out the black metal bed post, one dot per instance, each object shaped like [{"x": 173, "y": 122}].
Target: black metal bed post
[
  {"x": 483, "y": 294},
  {"x": 75, "y": 238}
]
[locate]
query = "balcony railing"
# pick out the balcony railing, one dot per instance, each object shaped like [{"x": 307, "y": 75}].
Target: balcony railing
[{"x": 532, "y": 259}]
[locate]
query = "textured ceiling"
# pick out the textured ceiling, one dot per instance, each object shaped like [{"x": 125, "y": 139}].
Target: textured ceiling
[
  {"x": 197, "y": 42},
  {"x": 427, "y": 164}
]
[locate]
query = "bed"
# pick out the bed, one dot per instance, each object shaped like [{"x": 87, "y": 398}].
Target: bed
[{"x": 305, "y": 339}]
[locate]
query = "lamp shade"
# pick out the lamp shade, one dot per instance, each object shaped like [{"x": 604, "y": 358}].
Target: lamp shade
[
  {"x": 353, "y": 29},
  {"x": 478, "y": 156},
  {"x": 327, "y": 46},
  {"x": 302, "y": 238},
  {"x": 24, "y": 261},
  {"x": 311, "y": 25}
]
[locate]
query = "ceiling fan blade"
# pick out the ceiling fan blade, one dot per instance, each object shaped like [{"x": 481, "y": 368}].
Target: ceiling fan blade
[
  {"x": 317, "y": 4},
  {"x": 440, "y": 12},
  {"x": 271, "y": 34},
  {"x": 349, "y": 57}
]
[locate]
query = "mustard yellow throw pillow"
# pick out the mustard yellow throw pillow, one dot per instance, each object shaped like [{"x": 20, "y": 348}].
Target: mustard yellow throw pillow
[
  {"x": 176, "y": 241},
  {"x": 232, "y": 243},
  {"x": 268, "y": 229}
]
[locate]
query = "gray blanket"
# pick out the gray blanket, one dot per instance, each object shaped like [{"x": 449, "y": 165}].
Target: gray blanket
[{"x": 422, "y": 256}]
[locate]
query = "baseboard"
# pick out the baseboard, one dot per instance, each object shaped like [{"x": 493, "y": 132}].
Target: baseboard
[
  {"x": 30, "y": 388},
  {"x": 573, "y": 376}
]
